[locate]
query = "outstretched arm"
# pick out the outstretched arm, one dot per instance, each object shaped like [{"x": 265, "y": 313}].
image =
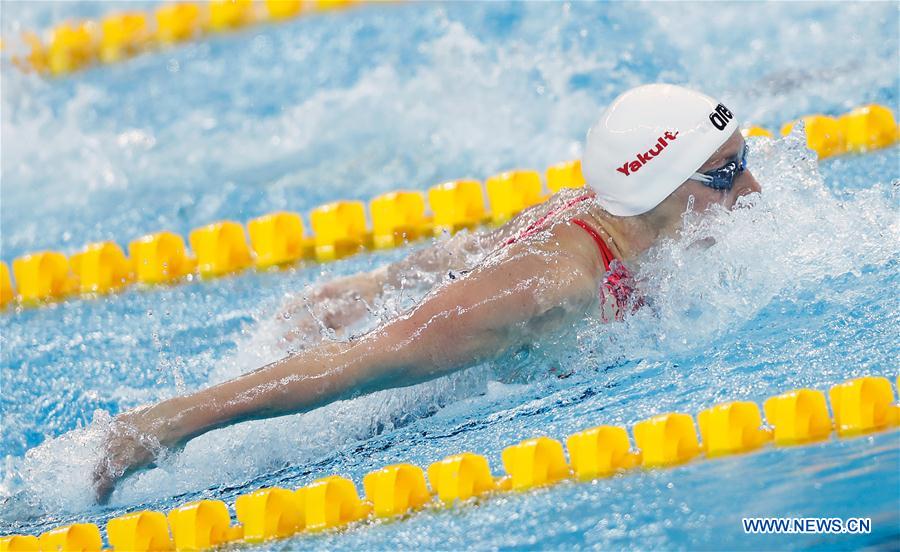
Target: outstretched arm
[{"x": 458, "y": 325}]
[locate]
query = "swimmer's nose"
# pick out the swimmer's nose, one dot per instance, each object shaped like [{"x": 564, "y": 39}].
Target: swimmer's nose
[{"x": 743, "y": 185}]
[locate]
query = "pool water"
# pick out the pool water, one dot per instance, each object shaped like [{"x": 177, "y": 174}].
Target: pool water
[{"x": 799, "y": 291}]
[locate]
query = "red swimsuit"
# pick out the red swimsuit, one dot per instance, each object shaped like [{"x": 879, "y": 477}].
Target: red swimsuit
[{"x": 616, "y": 282}]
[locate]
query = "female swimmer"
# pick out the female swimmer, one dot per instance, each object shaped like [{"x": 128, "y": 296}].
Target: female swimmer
[{"x": 656, "y": 152}]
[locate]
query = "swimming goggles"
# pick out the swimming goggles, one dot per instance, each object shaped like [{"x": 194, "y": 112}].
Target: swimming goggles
[{"x": 723, "y": 177}]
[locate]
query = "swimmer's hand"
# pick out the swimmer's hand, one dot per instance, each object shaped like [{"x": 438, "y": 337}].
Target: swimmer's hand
[
  {"x": 331, "y": 306},
  {"x": 133, "y": 441}
]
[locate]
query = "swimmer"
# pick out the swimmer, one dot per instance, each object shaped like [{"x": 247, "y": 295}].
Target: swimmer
[{"x": 657, "y": 152}]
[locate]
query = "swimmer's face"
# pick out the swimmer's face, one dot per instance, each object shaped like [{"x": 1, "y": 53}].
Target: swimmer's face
[
  {"x": 744, "y": 183},
  {"x": 696, "y": 197}
]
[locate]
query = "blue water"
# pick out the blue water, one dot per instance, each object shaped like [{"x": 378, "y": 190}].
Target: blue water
[{"x": 798, "y": 291}]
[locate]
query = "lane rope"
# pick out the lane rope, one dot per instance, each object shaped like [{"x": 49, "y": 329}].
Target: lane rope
[
  {"x": 860, "y": 406},
  {"x": 74, "y": 46}
]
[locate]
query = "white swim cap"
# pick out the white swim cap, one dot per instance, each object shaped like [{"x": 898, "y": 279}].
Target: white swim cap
[{"x": 648, "y": 142}]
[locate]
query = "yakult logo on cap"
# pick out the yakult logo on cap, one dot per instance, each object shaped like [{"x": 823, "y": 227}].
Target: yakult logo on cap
[{"x": 642, "y": 159}]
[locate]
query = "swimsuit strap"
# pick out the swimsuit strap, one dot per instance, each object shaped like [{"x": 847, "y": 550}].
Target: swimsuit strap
[
  {"x": 617, "y": 283},
  {"x": 605, "y": 252},
  {"x": 540, "y": 223}
]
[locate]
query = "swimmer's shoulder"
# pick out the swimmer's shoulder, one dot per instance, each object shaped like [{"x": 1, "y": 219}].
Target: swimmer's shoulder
[{"x": 532, "y": 216}]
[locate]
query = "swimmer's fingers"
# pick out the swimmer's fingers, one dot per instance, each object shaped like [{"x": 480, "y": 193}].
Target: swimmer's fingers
[
  {"x": 106, "y": 473},
  {"x": 103, "y": 484},
  {"x": 125, "y": 449}
]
